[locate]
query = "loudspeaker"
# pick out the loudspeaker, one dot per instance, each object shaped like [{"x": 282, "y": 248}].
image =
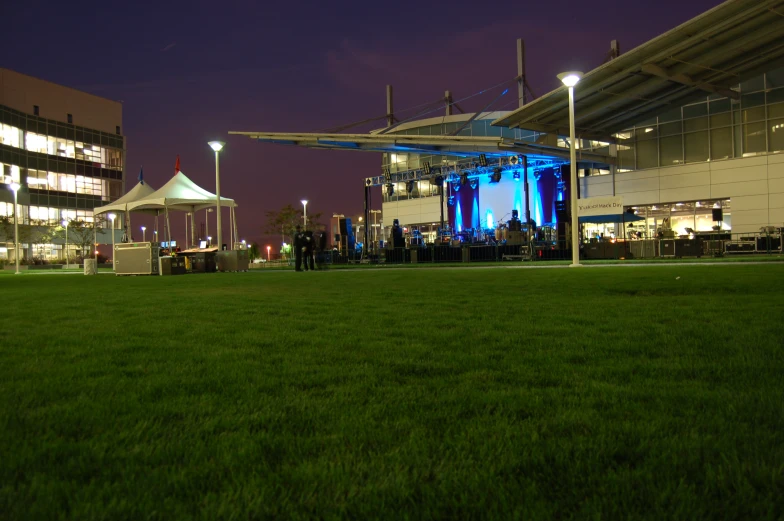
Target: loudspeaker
[
  {"x": 561, "y": 211},
  {"x": 718, "y": 215},
  {"x": 345, "y": 226}
]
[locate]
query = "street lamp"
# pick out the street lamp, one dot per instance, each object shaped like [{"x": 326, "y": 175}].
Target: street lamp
[
  {"x": 570, "y": 79},
  {"x": 15, "y": 188},
  {"x": 112, "y": 217},
  {"x": 144, "y": 234},
  {"x": 305, "y": 213},
  {"x": 207, "y": 221},
  {"x": 268, "y": 253},
  {"x": 217, "y": 146},
  {"x": 209, "y": 241}
]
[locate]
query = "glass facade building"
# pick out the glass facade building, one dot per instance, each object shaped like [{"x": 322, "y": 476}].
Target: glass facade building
[{"x": 65, "y": 170}]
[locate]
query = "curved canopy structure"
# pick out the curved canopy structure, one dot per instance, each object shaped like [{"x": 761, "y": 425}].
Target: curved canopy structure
[
  {"x": 707, "y": 55},
  {"x": 180, "y": 193},
  {"x": 139, "y": 191}
]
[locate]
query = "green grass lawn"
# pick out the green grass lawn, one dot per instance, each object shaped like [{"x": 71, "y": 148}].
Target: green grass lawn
[{"x": 596, "y": 393}]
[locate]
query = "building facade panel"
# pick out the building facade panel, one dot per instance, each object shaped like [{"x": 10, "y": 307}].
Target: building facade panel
[
  {"x": 692, "y": 193},
  {"x": 741, "y": 187},
  {"x": 641, "y": 197},
  {"x": 695, "y": 179},
  {"x": 648, "y": 184},
  {"x": 596, "y": 186},
  {"x": 741, "y": 173},
  {"x": 749, "y": 221},
  {"x": 684, "y": 169},
  {"x": 776, "y": 186},
  {"x": 776, "y": 200}
]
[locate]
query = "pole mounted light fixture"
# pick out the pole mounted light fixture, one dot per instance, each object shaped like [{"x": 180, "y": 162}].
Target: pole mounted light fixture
[
  {"x": 217, "y": 146},
  {"x": 570, "y": 79},
  {"x": 15, "y": 188},
  {"x": 112, "y": 217}
]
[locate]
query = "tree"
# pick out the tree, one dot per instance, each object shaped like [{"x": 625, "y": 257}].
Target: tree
[
  {"x": 284, "y": 221},
  {"x": 253, "y": 252},
  {"x": 82, "y": 234}
]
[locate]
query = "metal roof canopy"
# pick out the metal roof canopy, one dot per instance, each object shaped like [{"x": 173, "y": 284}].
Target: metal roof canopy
[
  {"x": 706, "y": 55},
  {"x": 458, "y": 146}
]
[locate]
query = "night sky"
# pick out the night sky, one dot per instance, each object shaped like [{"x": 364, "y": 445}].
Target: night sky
[{"x": 188, "y": 72}]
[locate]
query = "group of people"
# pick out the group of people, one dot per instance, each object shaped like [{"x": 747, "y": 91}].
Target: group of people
[{"x": 310, "y": 248}]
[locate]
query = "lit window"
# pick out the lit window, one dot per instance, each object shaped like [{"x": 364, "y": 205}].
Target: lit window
[{"x": 35, "y": 142}]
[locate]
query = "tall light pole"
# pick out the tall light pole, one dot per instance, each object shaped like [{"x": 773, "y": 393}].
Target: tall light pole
[
  {"x": 268, "y": 253},
  {"x": 375, "y": 227},
  {"x": 305, "y": 213},
  {"x": 570, "y": 79},
  {"x": 144, "y": 234},
  {"x": 217, "y": 146},
  {"x": 112, "y": 217},
  {"x": 209, "y": 241},
  {"x": 15, "y": 188},
  {"x": 65, "y": 224},
  {"x": 207, "y": 221}
]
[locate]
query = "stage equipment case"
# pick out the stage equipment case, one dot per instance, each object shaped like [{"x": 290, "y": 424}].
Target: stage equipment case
[{"x": 136, "y": 258}]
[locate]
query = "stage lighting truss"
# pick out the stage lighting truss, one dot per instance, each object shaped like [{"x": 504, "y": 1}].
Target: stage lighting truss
[
  {"x": 390, "y": 189},
  {"x": 467, "y": 168}
]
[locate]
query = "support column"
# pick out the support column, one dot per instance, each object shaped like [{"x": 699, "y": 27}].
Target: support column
[
  {"x": 366, "y": 219},
  {"x": 390, "y": 109},
  {"x": 448, "y": 100},
  {"x": 615, "y": 49},
  {"x": 614, "y": 166},
  {"x": 527, "y": 192},
  {"x": 441, "y": 193},
  {"x": 193, "y": 230},
  {"x": 520, "y": 72}
]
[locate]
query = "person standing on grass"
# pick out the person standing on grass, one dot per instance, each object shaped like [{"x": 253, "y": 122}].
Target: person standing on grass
[
  {"x": 299, "y": 246},
  {"x": 320, "y": 245},
  {"x": 309, "y": 264}
]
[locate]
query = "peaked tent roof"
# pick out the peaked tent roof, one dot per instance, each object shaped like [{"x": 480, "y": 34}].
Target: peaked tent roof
[
  {"x": 180, "y": 193},
  {"x": 140, "y": 191}
]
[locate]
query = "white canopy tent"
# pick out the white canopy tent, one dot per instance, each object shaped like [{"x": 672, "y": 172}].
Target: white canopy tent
[
  {"x": 182, "y": 194},
  {"x": 140, "y": 191}
]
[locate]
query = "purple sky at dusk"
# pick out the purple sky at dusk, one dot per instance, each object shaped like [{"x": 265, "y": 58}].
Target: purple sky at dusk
[{"x": 188, "y": 72}]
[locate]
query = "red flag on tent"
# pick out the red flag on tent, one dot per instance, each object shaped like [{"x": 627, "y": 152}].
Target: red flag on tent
[{"x": 177, "y": 165}]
